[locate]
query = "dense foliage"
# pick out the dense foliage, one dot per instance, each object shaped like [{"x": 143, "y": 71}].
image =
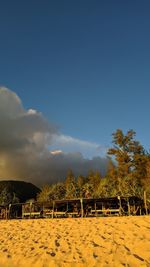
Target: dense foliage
[
  {"x": 16, "y": 191},
  {"x": 128, "y": 174}
]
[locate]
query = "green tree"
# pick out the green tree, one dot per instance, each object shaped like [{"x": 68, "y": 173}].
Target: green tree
[
  {"x": 88, "y": 190},
  {"x": 146, "y": 182},
  {"x": 5, "y": 197},
  {"x": 131, "y": 162},
  {"x": 111, "y": 170},
  {"x": 43, "y": 196},
  {"x": 129, "y": 154},
  {"x": 52, "y": 192},
  {"x": 71, "y": 185},
  {"x": 107, "y": 187},
  {"x": 80, "y": 184},
  {"x": 94, "y": 179},
  {"x": 92, "y": 182},
  {"x": 58, "y": 191}
]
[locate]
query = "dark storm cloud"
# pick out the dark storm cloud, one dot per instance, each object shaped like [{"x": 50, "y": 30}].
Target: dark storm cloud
[{"x": 25, "y": 139}]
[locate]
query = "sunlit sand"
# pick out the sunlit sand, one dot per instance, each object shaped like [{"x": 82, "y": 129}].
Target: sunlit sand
[{"x": 112, "y": 241}]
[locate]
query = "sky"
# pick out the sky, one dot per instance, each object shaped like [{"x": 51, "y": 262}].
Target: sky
[{"x": 84, "y": 65}]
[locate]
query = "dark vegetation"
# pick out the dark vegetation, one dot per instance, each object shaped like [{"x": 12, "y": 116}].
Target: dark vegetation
[
  {"x": 128, "y": 174},
  {"x": 16, "y": 191}
]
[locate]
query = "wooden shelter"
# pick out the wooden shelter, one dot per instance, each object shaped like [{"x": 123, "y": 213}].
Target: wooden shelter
[
  {"x": 85, "y": 207},
  {"x": 114, "y": 206},
  {"x": 67, "y": 208},
  {"x": 15, "y": 210},
  {"x": 80, "y": 207},
  {"x": 37, "y": 210},
  {"x": 4, "y": 212}
]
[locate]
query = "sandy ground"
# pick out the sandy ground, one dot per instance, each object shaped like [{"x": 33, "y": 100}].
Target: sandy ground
[{"x": 112, "y": 241}]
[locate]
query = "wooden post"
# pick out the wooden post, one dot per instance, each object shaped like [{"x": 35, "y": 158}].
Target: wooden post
[
  {"x": 140, "y": 211},
  {"x": 53, "y": 209},
  {"x": 95, "y": 208},
  {"x": 43, "y": 210},
  {"x": 6, "y": 214},
  {"x": 120, "y": 207},
  {"x": 30, "y": 209},
  {"x": 81, "y": 200},
  {"x": 22, "y": 211},
  {"x": 145, "y": 202},
  {"x": 9, "y": 211},
  {"x": 134, "y": 210},
  {"x": 128, "y": 206}
]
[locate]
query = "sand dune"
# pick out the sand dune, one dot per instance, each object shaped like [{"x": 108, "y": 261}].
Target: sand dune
[{"x": 112, "y": 241}]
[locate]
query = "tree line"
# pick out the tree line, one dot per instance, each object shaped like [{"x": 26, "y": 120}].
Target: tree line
[{"x": 128, "y": 174}]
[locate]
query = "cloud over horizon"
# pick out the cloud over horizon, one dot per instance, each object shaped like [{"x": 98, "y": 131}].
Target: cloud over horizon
[{"x": 26, "y": 139}]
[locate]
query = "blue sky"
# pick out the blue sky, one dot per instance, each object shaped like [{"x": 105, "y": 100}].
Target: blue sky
[{"x": 84, "y": 64}]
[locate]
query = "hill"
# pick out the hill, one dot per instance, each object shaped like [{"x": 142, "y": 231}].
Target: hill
[{"x": 16, "y": 191}]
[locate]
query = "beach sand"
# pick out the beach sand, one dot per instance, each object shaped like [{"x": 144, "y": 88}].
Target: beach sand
[{"x": 107, "y": 241}]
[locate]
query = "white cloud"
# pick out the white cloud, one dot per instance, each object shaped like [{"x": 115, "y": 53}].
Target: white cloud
[
  {"x": 69, "y": 144},
  {"x": 56, "y": 152},
  {"x": 26, "y": 138},
  {"x": 31, "y": 111},
  {"x": 68, "y": 140}
]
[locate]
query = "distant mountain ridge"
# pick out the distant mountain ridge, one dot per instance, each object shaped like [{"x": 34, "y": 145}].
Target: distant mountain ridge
[{"x": 11, "y": 191}]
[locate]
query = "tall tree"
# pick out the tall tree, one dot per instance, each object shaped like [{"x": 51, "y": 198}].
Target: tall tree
[
  {"x": 94, "y": 178},
  {"x": 52, "y": 192},
  {"x": 58, "y": 191},
  {"x": 129, "y": 154},
  {"x": 80, "y": 185},
  {"x": 5, "y": 197},
  {"x": 71, "y": 186},
  {"x": 44, "y": 195},
  {"x": 131, "y": 161},
  {"x": 146, "y": 182},
  {"x": 111, "y": 170}
]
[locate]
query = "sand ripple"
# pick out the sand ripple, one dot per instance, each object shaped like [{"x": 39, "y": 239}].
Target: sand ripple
[{"x": 116, "y": 241}]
